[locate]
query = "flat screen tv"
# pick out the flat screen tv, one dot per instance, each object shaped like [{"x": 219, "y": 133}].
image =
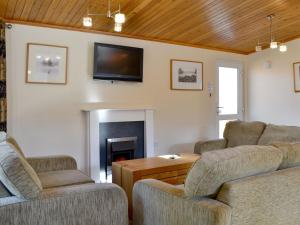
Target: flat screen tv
[{"x": 115, "y": 62}]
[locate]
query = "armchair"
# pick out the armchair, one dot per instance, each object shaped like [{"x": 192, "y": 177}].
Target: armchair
[{"x": 52, "y": 191}]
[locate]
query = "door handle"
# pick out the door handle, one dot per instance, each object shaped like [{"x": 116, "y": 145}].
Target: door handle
[{"x": 219, "y": 109}]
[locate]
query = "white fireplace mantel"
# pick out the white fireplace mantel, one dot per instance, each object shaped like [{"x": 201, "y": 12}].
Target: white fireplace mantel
[
  {"x": 97, "y": 113},
  {"x": 114, "y": 106}
]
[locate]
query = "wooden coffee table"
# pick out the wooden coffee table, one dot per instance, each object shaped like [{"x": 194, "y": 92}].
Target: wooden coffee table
[{"x": 172, "y": 171}]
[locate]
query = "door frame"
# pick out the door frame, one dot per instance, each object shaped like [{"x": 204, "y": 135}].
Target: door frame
[{"x": 241, "y": 104}]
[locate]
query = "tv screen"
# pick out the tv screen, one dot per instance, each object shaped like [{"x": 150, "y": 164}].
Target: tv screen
[{"x": 114, "y": 62}]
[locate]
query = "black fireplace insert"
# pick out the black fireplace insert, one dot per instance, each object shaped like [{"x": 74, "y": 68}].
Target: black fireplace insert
[{"x": 120, "y": 141}]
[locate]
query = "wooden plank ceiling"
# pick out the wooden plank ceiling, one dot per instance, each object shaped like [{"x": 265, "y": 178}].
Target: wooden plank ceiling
[{"x": 229, "y": 25}]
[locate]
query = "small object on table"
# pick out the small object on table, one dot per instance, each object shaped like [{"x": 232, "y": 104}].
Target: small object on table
[{"x": 170, "y": 156}]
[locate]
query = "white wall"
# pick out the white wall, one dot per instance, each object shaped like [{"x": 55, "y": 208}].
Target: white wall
[
  {"x": 47, "y": 120},
  {"x": 271, "y": 96}
]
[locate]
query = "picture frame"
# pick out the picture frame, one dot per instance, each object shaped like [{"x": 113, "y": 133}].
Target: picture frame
[
  {"x": 186, "y": 75},
  {"x": 296, "y": 70},
  {"x": 46, "y": 64}
]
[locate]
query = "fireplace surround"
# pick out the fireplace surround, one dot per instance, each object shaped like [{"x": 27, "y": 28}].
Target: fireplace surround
[{"x": 96, "y": 113}]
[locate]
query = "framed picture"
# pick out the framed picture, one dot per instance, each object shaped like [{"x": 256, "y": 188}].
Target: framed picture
[
  {"x": 186, "y": 75},
  {"x": 46, "y": 64},
  {"x": 296, "y": 66}
]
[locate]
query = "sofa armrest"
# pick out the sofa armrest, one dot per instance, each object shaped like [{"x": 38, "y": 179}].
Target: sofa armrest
[
  {"x": 156, "y": 202},
  {"x": 205, "y": 146},
  {"x": 88, "y": 204},
  {"x": 52, "y": 163}
]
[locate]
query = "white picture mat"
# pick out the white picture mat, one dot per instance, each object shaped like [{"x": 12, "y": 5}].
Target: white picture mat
[
  {"x": 187, "y": 66},
  {"x": 37, "y": 72},
  {"x": 297, "y": 76}
]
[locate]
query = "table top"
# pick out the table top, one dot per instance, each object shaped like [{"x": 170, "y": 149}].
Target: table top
[{"x": 186, "y": 159}]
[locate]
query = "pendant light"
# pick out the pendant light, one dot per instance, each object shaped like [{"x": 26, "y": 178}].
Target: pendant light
[
  {"x": 273, "y": 43},
  {"x": 258, "y": 47},
  {"x": 282, "y": 48},
  {"x": 118, "y": 16},
  {"x": 87, "y": 21},
  {"x": 118, "y": 27}
]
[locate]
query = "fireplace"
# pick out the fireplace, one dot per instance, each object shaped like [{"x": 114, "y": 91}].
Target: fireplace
[
  {"x": 98, "y": 113},
  {"x": 119, "y": 149},
  {"x": 119, "y": 141}
]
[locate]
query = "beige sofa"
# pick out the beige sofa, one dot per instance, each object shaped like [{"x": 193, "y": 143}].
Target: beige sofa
[
  {"x": 244, "y": 185},
  {"x": 52, "y": 191},
  {"x": 238, "y": 133}
]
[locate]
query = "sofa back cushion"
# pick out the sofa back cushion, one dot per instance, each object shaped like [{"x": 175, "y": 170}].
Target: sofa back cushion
[
  {"x": 275, "y": 133},
  {"x": 217, "y": 167},
  {"x": 17, "y": 147},
  {"x": 11, "y": 140},
  {"x": 291, "y": 154},
  {"x": 2, "y": 136},
  {"x": 16, "y": 174},
  {"x": 267, "y": 199},
  {"x": 3, "y": 191},
  {"x": 243, "y": 133}
]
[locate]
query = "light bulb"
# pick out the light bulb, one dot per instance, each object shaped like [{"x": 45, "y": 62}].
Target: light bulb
[
  {"x": 87, "y": 21},
  {"x": 258, "y": 48},
  {"x": 282, "y": 48},
  {"x": 120, "y": 18},
  {"x": 273, "y": 45},
  {"x": 118, "y": 27}
]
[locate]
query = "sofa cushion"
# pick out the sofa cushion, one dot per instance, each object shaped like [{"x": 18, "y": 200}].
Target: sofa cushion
[
  {"x": 12, "y": 141},
  {"x": 243, "y": 133},
  {"x": 275, "y": 133},
  {"x": 2, "y": 136},
  {"x": 16, "y": 174},
  {"x": 3, "y": 191},
  {"x": 217, "y": 167},
  {"x": 63, "y": 178},
  {"x": 291, "y": 154}
]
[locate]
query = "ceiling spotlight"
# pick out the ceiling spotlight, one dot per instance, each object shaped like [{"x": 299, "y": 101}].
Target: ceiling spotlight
[
  {"x": 120, "y": 18},
  {"x": 118, "y": 27},
  {"x": 282, "y": 48},
  {"x": 87, "y": 21}
]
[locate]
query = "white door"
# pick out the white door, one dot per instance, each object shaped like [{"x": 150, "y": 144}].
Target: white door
[{"x": 229, "y": 94}]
